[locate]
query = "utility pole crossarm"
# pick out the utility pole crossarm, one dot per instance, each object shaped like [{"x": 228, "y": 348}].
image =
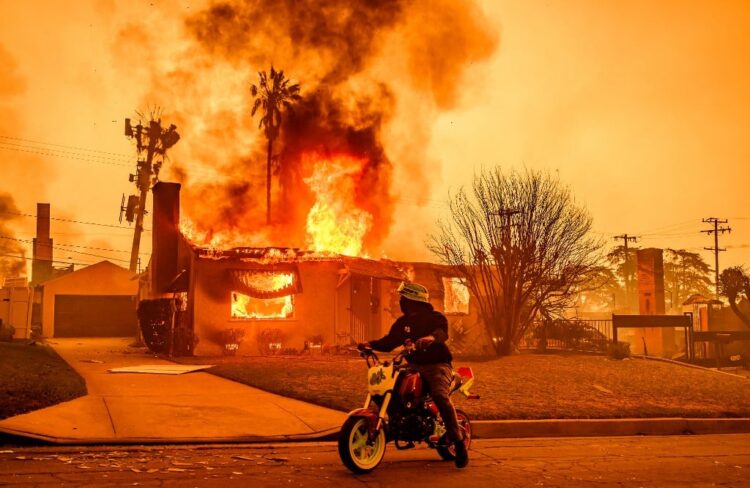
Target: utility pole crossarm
[{"x": 716, "y": 249}]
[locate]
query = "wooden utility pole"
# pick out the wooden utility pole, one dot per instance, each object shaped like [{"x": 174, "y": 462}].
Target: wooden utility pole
[
  {"x": 716, "y": 249},
  {"x": 143, "y": 182},
  {"x": 154, "y": 141},
  {"x": 506, "y": 221},
  {"x": 626, "y": 266}
]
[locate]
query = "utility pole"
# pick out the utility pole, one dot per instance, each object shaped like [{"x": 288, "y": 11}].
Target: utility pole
[
  {"x": 506, "y": 213},
  {"x": 154, "y": 141},
  {"x": 716, "y": 249},
  {"x": 625, "y": 239}
]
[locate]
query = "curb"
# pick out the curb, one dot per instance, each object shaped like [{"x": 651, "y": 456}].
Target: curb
[
  {"x": 482, "y": 429},
  {"x": 17, "y": 436},
  {"x": 493, "y": 429}
]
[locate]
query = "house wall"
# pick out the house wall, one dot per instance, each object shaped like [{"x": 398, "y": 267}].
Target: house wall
[
  {"x": 102, "y": 278},
  {"x": 315, "y": 308}
]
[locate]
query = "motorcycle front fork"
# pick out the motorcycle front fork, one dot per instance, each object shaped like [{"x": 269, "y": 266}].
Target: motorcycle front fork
[{"x": 381, "y": 413}]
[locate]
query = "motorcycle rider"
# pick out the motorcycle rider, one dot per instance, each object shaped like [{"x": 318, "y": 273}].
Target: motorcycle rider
[{"x": 427, "y": 329}]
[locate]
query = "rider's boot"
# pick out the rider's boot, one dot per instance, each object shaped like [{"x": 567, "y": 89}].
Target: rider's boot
[{"x": 462, "y": 454}]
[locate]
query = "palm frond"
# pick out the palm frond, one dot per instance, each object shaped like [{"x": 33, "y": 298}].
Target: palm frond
[{"x": 257, "y": 104}]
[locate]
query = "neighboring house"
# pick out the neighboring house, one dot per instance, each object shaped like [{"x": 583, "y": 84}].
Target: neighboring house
[
  {"x": 277, "y": 298},
  {"x": 96, "y": 301},
  {"x": 15, "y": 306}
]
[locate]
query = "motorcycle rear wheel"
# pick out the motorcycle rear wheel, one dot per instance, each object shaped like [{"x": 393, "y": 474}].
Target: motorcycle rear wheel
[
  {"x": 449, "y": 452},
  {"x": 354, "y": 450}
]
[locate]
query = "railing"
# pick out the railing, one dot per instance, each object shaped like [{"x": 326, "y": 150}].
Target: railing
[{"x": 570, "y": 334}]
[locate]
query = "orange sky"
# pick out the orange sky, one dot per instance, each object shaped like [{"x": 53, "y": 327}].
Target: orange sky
[{"x": 642, "y": 107}]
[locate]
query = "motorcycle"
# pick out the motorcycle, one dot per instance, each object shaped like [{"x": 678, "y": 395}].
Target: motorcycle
[{"x": 399, "y": 408}]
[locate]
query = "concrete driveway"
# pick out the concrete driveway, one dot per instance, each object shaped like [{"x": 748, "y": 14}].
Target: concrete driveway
[{"x": 142, "y": 408}]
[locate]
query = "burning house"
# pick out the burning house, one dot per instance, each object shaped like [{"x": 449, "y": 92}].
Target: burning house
[
  {"x": 281, "y": 220},
  {"x": 259, "y": 300}
]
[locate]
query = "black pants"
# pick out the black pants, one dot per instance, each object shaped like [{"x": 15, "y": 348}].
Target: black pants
[{"x": 439, "y": 377}]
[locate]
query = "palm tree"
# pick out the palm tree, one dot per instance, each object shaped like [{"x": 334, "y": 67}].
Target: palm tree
[{"x": 273, "y": 94}]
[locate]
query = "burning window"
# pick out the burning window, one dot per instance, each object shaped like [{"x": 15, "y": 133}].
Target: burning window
[
  {"x": 456, "y": 298},
  {"x": 247, "y": 307},
  {"x": 263, "y": 295}
]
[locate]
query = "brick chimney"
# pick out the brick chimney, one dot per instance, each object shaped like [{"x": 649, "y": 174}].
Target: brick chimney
[
  {"x": 165, "y": 234},
  {"x": 41, "y": 264},
  {"x": 650, "y": 281}
]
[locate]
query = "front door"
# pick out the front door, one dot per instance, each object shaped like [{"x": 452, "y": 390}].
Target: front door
[{"x": 365, "y": 308}]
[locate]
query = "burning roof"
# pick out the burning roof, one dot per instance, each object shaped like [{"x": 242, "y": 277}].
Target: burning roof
[{"x": 275, "y": 256}]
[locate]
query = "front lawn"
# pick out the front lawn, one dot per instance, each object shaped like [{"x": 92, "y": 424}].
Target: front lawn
[
  {"x": 526, "y": 386},
  {"x": 33, "y": 377}
]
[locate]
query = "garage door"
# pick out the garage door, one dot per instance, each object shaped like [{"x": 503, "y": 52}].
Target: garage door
[{"x": 95, "y": 316}]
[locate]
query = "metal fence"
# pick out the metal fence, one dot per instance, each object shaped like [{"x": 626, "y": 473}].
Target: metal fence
[{"x": 569, "y": 334}]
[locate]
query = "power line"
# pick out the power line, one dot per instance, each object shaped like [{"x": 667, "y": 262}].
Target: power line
[
  {"x": 75, "y": 234},
  {"x": 71, "y": 245},
  {"x": 99, "y": 248},
  {"x": 122, "y": 155},
  {"x": 65, "y": 151},
  {"x": 53, "y": 261},
  {"x": 72, "y": 221},
  {"x": 91, "y": 158},
  {"x": 668, "y": 227},
  {"x": 67, "y": 250},
  {"x": 49, "y": 152},
  {"x": 666, "y": 236}
]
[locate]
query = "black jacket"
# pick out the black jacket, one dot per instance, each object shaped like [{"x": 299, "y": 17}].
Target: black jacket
[{"x": 415, "y": 326}]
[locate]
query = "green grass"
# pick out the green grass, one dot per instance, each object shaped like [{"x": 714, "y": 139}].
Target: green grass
[
  {"x": 526, "y": 386},
  {"x": 33, "y": 377}
]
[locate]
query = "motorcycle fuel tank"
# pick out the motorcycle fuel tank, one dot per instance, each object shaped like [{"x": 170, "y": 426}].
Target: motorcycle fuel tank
[{"x": 410, "y": 389}]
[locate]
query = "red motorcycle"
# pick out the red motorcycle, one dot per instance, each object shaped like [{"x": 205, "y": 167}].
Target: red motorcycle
[{"x": 398, "y": 408}]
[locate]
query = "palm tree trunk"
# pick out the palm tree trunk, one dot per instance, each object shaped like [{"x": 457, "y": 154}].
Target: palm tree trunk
[{"x": 268, "y": 182}]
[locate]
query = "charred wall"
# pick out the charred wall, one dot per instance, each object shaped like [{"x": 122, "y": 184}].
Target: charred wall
[{"x": 316, "y": 308}]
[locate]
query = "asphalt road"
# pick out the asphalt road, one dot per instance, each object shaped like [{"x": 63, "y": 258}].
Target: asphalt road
[{"x": 707, "y": 460}]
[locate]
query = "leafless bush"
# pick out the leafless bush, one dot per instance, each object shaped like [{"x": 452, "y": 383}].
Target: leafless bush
[{"x": 522, "y": 244}]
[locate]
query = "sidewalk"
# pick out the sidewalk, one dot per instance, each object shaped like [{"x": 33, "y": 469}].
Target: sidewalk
[
  {"x": 199, "y": 407},
  {"x": 150, "y": 408}
]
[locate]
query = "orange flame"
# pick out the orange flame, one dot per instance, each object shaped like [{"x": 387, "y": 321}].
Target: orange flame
[
  {"x": 247, "y": 307},
  {"x": 335, "y": 223}
]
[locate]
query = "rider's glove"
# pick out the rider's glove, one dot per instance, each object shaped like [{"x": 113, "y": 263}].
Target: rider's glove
[{"x": 423, "y": 343}]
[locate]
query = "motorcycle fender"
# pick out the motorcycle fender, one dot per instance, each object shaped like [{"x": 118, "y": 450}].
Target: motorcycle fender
[{"x": 372, "y": 419}]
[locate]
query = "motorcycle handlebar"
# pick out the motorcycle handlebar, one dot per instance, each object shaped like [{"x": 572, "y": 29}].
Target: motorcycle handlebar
[{"x": 367, "y": 353}]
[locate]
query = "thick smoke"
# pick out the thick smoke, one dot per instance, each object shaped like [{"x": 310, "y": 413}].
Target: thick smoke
[
  {"x": 20, "y": 169},
  {"x": 9, "y": 265},
  {"x": 360, "y": 63}
]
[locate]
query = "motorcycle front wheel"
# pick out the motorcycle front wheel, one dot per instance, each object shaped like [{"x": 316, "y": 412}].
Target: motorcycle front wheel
[
  {"x": 449, "y": 452},
  {"x": 357, "y": 454}
]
